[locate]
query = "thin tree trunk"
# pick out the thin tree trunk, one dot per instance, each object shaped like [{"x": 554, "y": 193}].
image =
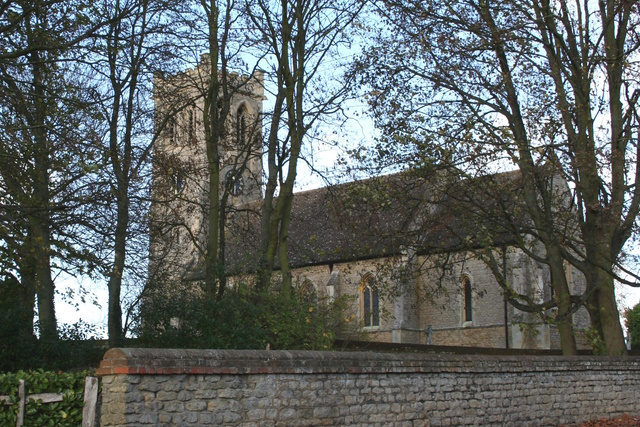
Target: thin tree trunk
[
  {"x": 39, "y": 220},
  {"x": 563, "y": 294},
  {"x": 283, "y": 247},
  {"x": 211, "y": 258},
  {"x": 269, "y": 221},
  {"x": 222, "y": 274},
  {"x": 115, "y": 278},
  {"x": 213, "y": 165}
]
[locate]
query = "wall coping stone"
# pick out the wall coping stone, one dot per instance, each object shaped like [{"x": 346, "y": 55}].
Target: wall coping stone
[{"x": 151, "y": 361}]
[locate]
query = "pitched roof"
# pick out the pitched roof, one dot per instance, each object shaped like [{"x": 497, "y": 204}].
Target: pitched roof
[{"x": 380, "y": 217}]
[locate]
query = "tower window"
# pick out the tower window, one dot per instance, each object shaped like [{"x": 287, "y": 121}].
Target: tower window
[
  {"x": 191, "y": 124},
  {"x": 177, "y": 179},
  {"x": 234, "y": 182},
  {"x": 222, "y": 131},
  {"x": 171, "y": 131},
  {"x": 241, "y": 126}
]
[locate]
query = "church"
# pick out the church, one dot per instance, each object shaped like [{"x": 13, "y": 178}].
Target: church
[{"x": 384, "y": 242}]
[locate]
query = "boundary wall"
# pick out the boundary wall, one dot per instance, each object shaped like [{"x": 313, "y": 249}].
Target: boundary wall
[{"x": 309, "y": 388}]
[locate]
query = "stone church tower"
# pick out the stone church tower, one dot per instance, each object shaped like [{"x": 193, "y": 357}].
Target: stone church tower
[{"x": 180, "y": 204}]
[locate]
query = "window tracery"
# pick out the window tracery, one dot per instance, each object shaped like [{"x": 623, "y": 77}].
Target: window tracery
[
  {"x": 369, "y": 301},
  {"x": 308, "y": 292}
]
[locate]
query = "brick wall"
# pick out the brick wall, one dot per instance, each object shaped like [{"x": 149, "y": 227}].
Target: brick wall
[{"x": 302, "y": 388}]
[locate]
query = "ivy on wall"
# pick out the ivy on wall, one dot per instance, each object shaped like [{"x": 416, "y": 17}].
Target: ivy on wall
[{"x": 38, "y": 414}]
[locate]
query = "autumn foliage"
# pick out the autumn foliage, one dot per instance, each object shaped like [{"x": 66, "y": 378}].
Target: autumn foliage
[{"x": 623, "y": 421}]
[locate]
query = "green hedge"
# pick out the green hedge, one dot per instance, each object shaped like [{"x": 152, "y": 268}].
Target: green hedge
[
  {"x": 632, "y": 320},
  {"x": 242, "y": 318},
  {"x": 58, "y": 414}
]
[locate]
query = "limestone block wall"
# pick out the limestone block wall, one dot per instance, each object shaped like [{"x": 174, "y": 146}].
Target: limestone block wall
[
  {"x": 435, "y": 301},
  {"x": 489, "y": 336},
  {"x": 302, "y": 388}
]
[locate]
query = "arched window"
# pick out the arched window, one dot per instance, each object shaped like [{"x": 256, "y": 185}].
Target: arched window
[
  {"x": 234, "y": 182},
  {"x": 369, "y": 301},
  {"x": 241, "y": 126},
  {"x": 222, "y": 131},
  {"x": 308, "y": 293},
  {"x": 468, "y": 298},
  {"x": 177, "y": 181}
]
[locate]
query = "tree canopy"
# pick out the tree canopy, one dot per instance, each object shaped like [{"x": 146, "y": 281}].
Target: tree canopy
[
  {"x": 479, "y": 86},
  {"x": 463, "y": 89}
]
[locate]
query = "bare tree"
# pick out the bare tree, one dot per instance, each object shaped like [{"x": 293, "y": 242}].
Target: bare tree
[
  {"x": 475, "y": 85},
  {"x": 300, "y": 38},
  {"x": 125, "y": 55},
  {"x": 211, "y": 143}
]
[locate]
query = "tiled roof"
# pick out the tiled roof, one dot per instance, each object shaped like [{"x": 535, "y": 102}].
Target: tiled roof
[{"x": 379, "y": 217}]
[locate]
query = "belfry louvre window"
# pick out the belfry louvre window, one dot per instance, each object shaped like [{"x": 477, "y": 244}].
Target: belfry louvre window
[
  {"x": 171, "y": 131},
  {"x": 241, "y": 126},
  {"x": 191, "y": 125},
  {"x": 370, "y": 301}
]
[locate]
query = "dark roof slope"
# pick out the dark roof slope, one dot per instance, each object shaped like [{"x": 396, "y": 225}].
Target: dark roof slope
[{"x": 379, "y": 217}]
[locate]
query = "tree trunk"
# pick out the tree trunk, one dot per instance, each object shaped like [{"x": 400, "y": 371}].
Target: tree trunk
[
  {"x": 115, "y": 278},
  {"x": 222, "y": 274},
  {"x": 210, "y": 120},
  {"x": 563, "y": 294},
  {"x": 27, "y": 298},
  {"x": 269, "y": 222},
  {"x": 283, "y": 248},
  {"x": 607, "y": 311},
  {"x": 45, "y": 288},
  {"x": 39, "y": 220}
]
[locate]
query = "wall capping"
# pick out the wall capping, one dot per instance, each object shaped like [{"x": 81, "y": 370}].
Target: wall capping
[
  {"x": 145, "y": 361},
  {"x": 292, "y": 388}
]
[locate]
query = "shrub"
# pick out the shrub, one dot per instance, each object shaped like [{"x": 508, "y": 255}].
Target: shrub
[
  {"x": 632, "y": 321},
  {"x": 595, "y": 341},
  {"x": 241, "y": 318},
  {"x": 70, "y": 352}
]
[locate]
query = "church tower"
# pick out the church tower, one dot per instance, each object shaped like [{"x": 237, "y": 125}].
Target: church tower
[{"x": 181, "y": 185}]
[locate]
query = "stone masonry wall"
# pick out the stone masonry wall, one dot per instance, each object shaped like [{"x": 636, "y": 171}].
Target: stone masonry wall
[
  {"x": 489, "y": 336},
  {"x": 298, "y": 388}
]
